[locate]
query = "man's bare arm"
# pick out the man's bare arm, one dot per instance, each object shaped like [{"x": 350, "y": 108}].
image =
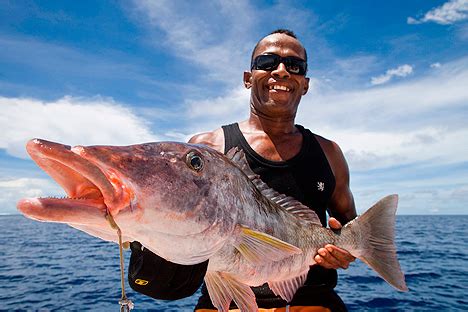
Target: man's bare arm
[{"x": 341, "y": 208}]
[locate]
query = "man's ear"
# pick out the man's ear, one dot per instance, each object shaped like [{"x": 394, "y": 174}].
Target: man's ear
[
  {"x": 306, "y": 86},
  {"x": 247, "y": 79}
]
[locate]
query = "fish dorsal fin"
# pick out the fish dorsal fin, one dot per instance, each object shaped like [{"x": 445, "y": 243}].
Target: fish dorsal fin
[
  {"x": 258, "y": 247},
  {"x": 293, "y": 206},
  {"x": 237, "y": 156},
  {"x": 287, "y": 288},
  {"x": 223, "y": 288}
]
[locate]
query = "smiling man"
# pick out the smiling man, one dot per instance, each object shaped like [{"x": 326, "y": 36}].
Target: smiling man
[{"x": 290, "y": 159}]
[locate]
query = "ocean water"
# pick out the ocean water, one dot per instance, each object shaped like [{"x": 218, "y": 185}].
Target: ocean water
[{"x": 46, "y": 266}]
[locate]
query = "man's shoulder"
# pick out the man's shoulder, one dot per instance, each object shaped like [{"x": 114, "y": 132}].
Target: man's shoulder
[
  {"x": 333, "y": 153},
  {"x": 335, "y": 158},
  {"x": 327, "y": 145},
  {"x": 213, "y": 139}
]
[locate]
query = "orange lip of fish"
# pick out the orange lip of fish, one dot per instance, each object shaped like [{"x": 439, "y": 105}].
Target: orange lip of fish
[{"x": 90, "y": 189}]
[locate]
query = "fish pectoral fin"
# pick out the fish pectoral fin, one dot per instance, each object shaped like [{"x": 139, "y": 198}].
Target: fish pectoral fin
[
  {"x": 258, "y": 247},
  {"x": 223, "y": 288},
  {"x": 287, "y": 288}
]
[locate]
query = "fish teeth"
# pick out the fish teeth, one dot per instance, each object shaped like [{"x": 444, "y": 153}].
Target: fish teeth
[{"x": 64, "y": 197}]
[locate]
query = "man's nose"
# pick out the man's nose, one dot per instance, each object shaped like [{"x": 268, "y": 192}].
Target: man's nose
[{"x": 280, "y": 72}]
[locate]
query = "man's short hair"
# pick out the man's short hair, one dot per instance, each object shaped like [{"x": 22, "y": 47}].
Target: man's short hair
[{"x": 286, "y": 32}]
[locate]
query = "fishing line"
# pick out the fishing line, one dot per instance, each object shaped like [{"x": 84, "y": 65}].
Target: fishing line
[{"x": 125, "y": 303}]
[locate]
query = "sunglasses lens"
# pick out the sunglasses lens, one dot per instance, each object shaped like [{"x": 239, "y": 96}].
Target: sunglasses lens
[
  {"x": 295, "y": 66},
  {"x": 293, "y": 69},
  {"x": 268, "y": 62}
]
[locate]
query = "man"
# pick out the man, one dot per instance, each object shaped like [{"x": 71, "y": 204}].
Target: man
[{"x": 289, "y": 159}]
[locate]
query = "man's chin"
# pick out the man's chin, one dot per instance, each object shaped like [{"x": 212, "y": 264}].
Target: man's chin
[
  {"x": 277, "y": 110},
  {"x": 278, "y": 103},
  {"x": 282, "y": 106}
]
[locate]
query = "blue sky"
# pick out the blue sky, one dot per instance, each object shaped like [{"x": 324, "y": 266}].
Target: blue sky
[{"x": 389, "y": 84}]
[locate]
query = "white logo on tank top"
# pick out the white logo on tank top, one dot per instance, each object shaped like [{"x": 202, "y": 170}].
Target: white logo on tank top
[{"x": 321, "y": 186}]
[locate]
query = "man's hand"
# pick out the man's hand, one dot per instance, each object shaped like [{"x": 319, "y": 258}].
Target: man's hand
[{"x": 332, "y": 257}]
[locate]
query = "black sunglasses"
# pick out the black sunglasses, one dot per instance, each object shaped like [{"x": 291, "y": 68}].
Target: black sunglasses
[{"x": 294, "y": 65}]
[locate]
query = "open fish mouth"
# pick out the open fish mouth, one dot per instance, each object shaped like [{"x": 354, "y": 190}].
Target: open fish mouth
[{"x": 88, "y": 187}]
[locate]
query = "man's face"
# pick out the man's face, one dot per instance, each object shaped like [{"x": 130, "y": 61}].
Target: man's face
[{"x": 268, "y": 95}]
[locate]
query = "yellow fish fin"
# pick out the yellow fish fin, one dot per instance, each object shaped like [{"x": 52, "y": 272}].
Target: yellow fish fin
[{"x": 258, "y": 247}]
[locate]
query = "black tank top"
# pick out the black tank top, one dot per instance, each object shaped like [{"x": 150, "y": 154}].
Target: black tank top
[{"x": 308, "y": 178}]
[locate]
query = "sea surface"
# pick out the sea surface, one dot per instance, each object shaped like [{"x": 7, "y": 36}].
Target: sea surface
[{"x": 47, "y": 266}]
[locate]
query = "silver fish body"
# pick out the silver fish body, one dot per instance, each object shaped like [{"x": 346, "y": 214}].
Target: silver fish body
[{"x": 188, "y": 203}]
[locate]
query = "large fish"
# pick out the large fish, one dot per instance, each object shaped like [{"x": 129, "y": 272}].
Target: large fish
[{"x": 189, "y": 203}]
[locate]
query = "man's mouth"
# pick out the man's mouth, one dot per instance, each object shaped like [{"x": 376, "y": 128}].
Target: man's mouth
[{"x": 279, "y": 87}]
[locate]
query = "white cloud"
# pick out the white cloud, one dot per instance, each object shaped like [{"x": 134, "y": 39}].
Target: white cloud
[
  {"x": 211, "y": 113},
  {"x": 400, "y": 71},
  {"x": 436, "y": 65},
  {"x": 411, "y": 20},
  {"x": 69, "y": 120},
  {"x": 413, "y": 201},
  {"x": 461, "y": 192},
  {"x": 367, "y": 150},
  {"x": 206, "y": 33},
  {"x": 448, "y": 13}
]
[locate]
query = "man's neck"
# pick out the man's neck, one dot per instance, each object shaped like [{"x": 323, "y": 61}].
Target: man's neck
[
  {"x": 270, "y": 125},
  {"x": 273, "y": 139}
]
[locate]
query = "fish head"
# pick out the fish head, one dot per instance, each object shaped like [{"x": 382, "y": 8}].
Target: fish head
[{"x": 163, "y": 187}]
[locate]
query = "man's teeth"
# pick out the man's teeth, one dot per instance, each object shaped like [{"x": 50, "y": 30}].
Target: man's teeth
[{"x": 276, "y": 87}]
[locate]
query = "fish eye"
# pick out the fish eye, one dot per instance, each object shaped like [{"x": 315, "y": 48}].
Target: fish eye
[{"x": 194, "y": 161}]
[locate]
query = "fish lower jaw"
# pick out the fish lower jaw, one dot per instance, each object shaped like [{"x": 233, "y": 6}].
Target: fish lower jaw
[{"x": 74, "y": 203}]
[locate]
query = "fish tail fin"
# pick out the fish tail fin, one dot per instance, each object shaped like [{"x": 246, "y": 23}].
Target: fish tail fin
[{"x": 373, "y": 234}]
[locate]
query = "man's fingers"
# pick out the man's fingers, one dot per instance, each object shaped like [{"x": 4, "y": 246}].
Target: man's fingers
[
  {"x": 332, "y": 257},
  {"x": 327, "y": 260},
  {"x": 334, "y": 224},
  {"x": 320, "y": 261},
  {"x": 340, "y": 255}
]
